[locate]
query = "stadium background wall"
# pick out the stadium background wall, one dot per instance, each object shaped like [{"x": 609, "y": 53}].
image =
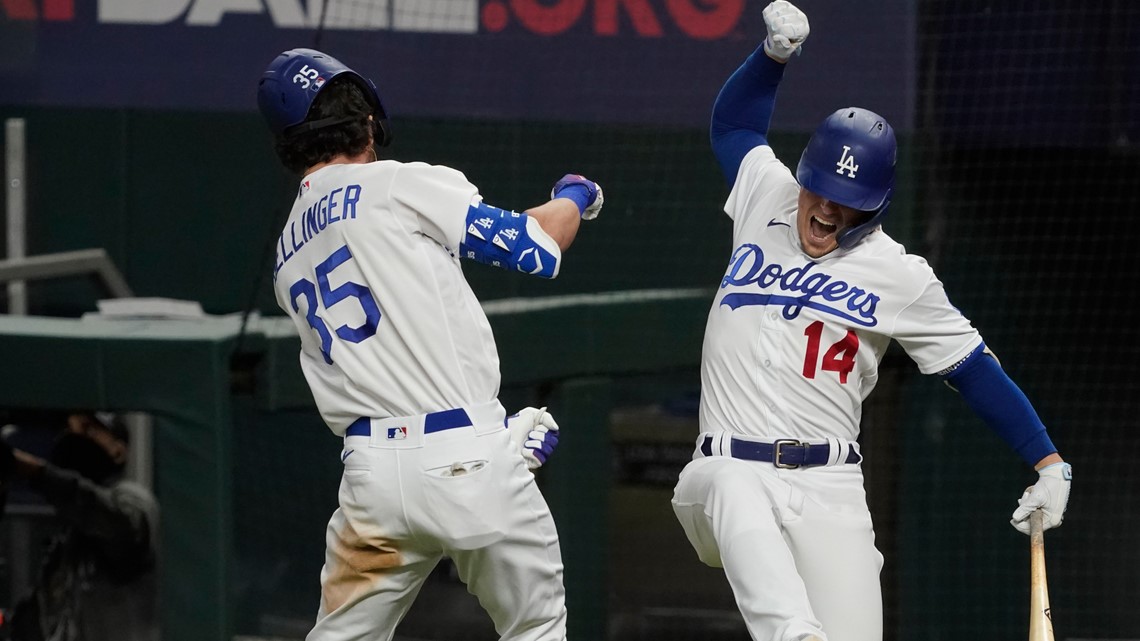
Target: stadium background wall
[{"x": 1017, "y": 181}]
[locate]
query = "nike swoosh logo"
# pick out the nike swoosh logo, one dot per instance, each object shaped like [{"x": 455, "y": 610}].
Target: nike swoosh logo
[
  {"x": 773, "y": 223},
  {"x": 344, "y": 457}
]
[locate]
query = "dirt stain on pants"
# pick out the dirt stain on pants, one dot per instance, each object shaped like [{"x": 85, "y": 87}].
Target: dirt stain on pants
[{"x": 355, "y": 564}]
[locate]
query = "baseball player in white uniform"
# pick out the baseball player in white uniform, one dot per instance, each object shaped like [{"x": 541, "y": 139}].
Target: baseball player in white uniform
[
  {"x": 402, "y": 363},
  {"x": 813, "y": 293}
]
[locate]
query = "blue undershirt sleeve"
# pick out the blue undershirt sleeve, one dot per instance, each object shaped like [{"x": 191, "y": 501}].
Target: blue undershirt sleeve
[
  {"x": 743, "y": 111},
  {"x": 998, "y": 401}
]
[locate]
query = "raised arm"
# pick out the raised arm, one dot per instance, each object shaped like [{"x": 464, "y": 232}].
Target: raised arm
[{"x": 743, "y": 109}]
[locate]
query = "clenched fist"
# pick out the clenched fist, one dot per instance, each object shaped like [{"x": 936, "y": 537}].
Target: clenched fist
[{"x": 787, "y": 29}]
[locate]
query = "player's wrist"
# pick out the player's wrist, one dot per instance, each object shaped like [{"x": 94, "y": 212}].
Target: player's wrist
[
  {"x": 1060, "y": 470},
  {"x": 578, "y": 193},
  {"x": 582, "y": 191},
  {"x": 771, "y": 52},
  {"x": 1048, "y": 460}
]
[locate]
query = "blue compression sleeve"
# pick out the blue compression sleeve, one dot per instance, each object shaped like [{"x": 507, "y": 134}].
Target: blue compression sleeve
[
  {"x": 743, "y": 111},
  {"x": 999, "y": 402}
]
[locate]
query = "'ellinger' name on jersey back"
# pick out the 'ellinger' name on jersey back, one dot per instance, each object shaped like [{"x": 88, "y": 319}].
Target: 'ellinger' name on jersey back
[{"x": 367, "y": 269}]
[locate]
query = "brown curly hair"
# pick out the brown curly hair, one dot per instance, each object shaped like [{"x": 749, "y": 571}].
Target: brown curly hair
[{"x": 342, "y": 98}]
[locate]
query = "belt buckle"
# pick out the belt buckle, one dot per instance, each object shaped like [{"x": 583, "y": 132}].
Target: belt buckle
[{"x": 779, "y": 444}]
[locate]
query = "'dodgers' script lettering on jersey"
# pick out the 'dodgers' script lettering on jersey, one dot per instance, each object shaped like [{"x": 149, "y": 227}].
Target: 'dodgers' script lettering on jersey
[{"x": 814, "y": 289}]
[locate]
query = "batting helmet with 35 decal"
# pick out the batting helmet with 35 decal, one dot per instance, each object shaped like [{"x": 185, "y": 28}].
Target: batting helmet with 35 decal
[
  {"x": 292, "y": 82},
  {"x": 850, "y": 160}
]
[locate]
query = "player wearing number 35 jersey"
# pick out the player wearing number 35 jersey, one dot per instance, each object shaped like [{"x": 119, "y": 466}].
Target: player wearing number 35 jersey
[
  {"x": 813, "y": 294},
  {"x": 402, "y": 363}
]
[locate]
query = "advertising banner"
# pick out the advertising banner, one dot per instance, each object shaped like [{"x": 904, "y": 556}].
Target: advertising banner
[{"x": 655, "y": 62}]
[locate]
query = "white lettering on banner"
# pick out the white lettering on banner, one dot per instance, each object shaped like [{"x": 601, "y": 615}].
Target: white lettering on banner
[
  {"x": 288, "y": 13},
  {"x": 423, "y": 16},
  {"x": 210, "y": 12},
  {"x": 141, "y": 11},
  {"x": 696, "y": 19},
  {"x": 436, "y": 16},
  {"x": 350, "y": 14},
  {"x": 847, "y": 162}
]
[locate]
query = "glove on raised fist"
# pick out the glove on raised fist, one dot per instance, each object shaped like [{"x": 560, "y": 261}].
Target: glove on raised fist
[
  {"x": 535, "y": 433},
  {"x": 586, "y": 193},
  {"x": 787, "y": 29},
  {"x": 1050, "y": 495}
]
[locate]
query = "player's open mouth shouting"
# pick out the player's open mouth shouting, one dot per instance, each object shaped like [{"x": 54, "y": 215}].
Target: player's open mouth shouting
[
  {"x": 820, "y": 220},
  {"x": 821, "y": 229}
]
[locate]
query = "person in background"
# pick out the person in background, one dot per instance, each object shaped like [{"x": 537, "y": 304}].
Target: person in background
[{"x": 97, "y": 581}]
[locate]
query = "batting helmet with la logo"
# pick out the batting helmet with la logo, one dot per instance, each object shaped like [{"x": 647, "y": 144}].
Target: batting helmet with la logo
[{"x": 850, "y": 160}]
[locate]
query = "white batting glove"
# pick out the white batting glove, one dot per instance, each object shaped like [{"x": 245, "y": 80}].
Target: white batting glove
[
  {"x": 1050, "y": 495},
  {"x": 595, "y": 207},
  {"x": 535, "y": 433},
  {"x": 787, "y": 29}
]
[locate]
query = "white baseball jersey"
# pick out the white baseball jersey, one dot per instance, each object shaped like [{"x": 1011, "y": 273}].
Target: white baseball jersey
[
  {"x": 793, "y": 344},
  {"x": 367, "y": 268}
]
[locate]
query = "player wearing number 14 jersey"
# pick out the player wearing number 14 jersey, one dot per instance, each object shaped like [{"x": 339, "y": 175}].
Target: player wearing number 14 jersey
[{"x": 812, "y": 296}]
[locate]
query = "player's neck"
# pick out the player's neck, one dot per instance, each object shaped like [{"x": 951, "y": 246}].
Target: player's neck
[{"x": 367, "y": 156}]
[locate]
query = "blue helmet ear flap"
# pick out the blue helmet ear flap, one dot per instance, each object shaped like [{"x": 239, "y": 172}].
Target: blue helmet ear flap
[{"x": 851, "y": 236}]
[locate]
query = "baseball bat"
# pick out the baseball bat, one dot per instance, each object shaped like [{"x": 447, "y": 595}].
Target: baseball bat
[{"x": 1040, "y": 618}]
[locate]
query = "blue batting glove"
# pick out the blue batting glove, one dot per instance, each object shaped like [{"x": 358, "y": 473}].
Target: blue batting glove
[{"x": 585, "y": 193}]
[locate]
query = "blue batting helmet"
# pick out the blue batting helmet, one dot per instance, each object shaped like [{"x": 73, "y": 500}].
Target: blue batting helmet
[
  {"x": 850, "y": 160},
  {"x": 292, "y": 82}
]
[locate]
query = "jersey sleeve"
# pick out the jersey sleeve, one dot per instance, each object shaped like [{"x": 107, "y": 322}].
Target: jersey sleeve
[
  {"x": 934, "y": 333},
  {"x": 437, "y": 198},
  {"x": 761, "y": 176}
]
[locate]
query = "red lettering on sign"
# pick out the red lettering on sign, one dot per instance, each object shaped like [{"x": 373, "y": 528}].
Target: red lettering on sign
[
  {"x": 59, "y": 9},
  {"x": 705, "y": 24},
  {"x": 697, "y": 19},
  {"x": 645, "y": 23},
  {"x": 19, "y": 9},
  {"x": 495, "y": 16},
  {"x": 548, "y": 20}
]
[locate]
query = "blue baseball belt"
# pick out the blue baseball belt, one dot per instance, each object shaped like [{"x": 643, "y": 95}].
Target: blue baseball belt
[
  {"x": 785, "y": 453},
  {"x": 434, "y": 422}
]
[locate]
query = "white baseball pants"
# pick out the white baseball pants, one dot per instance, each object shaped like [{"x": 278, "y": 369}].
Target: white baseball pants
[
  {"x": 796, "y": 545},
  {"x": 406, "y": 502}
]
